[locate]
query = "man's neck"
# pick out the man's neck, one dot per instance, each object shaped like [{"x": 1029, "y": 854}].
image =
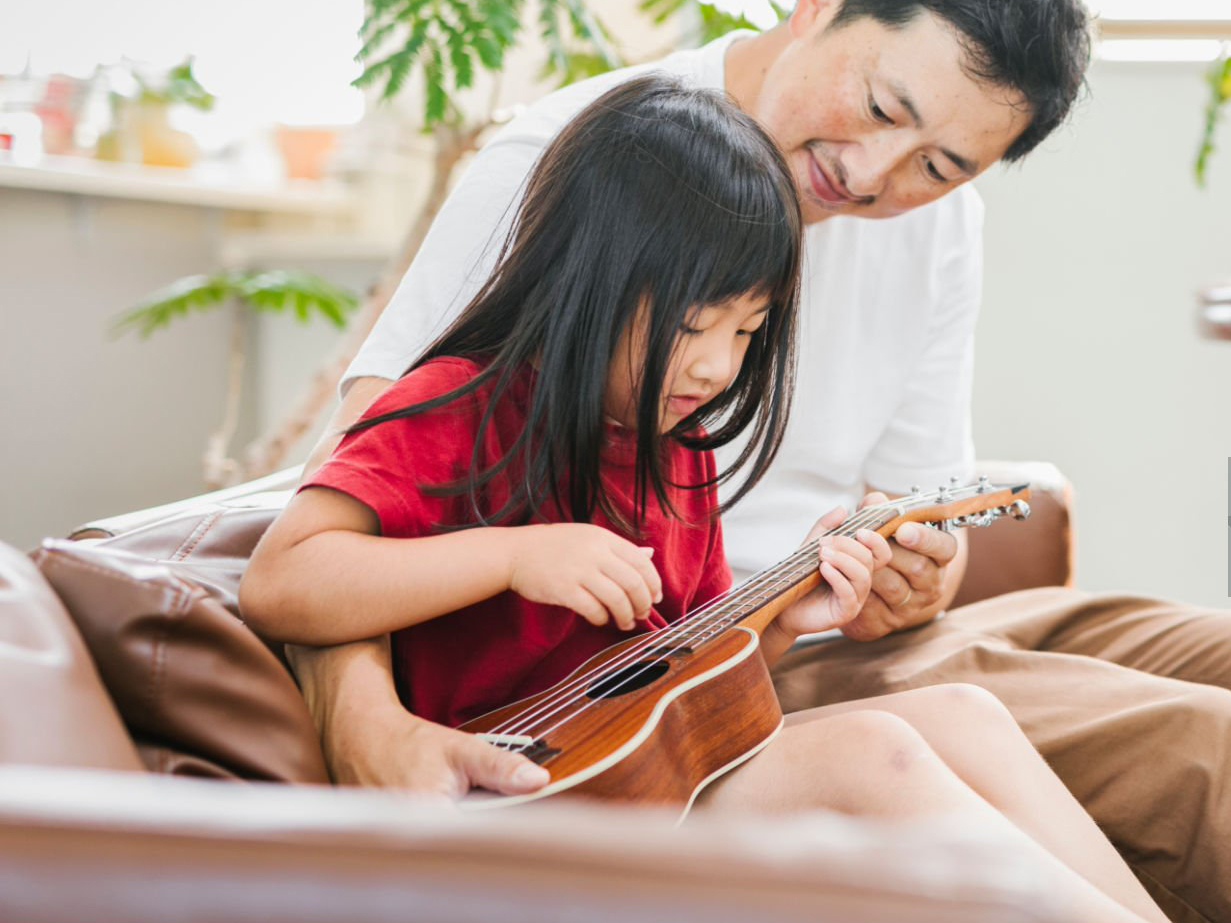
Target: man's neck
[{"x": 746, "y": 62}]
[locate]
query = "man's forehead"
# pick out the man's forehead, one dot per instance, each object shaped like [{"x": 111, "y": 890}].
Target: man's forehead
[{"x": 925, "y": 65}]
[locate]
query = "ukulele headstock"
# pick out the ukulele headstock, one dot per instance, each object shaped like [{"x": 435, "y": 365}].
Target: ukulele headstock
[{"x": 955, "y": 507}]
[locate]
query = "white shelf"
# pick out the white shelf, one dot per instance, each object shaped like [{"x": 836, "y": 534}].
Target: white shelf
[
  {"x": 266, "y": 247},
  {"x": 209, "y": 186}
]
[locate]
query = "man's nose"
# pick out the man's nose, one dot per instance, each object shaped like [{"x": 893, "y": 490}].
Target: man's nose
[{"x": 869, "y": 165}]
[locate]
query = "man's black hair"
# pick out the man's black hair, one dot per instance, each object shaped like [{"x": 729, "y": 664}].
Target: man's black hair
[{"x": 1040, "y": 48}]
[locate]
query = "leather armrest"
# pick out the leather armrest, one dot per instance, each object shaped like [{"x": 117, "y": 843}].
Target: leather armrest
[
  {"x": 1009, "y": 555},
  {"x": 251, "y": 493},
  {"x": 77, "y": 846},
  {"x": 54, "y": 710}
]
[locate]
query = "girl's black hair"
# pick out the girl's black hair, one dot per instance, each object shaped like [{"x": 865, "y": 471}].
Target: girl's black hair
[{"x": 655, "y": 193}]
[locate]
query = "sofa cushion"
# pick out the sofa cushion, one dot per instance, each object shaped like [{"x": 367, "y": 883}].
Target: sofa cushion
[
  {"x": 200, "y": 692},
  {"x": 55, "y": 710}
]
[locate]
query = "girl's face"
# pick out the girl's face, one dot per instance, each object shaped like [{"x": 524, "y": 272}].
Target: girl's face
[{"x": 707, "y": 355}]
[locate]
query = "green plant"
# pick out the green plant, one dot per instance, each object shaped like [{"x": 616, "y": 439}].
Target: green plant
[
  {"x": 447, "y": 38},
  {"x": 304, "y": 294},
  {"x": 178, "y": 85},
  {"x": 444, "y": 44},
  {"x": 712, "y": 21},
  {"x": 1219, "y": 79}
]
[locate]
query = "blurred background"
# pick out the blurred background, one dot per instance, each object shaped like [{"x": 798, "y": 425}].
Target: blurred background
[{"x": 200, "y": 214}]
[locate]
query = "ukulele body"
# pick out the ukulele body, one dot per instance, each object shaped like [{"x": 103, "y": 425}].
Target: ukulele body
[{"x": 703, "y": 711}]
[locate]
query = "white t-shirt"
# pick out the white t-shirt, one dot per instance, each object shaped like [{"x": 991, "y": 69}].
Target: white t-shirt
[{"x": 886, "y": 348}]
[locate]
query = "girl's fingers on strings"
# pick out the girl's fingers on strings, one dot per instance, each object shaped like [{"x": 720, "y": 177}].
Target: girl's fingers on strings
[
  {"x": 640, "y": 558},
  {"x": 613, "y": 598},
  {"x": 634, "y": 585},
  {"x": 855, "y": 549},
  {"x": 844, "y": 594},
  {"x": 882, "y": 554},
  {"x": 854, "y": 567},
  {"x": 585, "y": 604}
]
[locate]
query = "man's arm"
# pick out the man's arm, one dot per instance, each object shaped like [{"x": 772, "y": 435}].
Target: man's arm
[
  {"x": 358, "y": 398},
  {"x": 919, "y": 582},
  {"x": 367, "y": 736}
]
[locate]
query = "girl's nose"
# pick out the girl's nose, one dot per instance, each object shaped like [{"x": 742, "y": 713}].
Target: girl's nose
[{"x": 714, "y": 366}]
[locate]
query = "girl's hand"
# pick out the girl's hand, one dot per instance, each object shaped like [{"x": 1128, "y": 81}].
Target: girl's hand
[
  {"x": 586, "y": 568},
  {"x": 846, "y": 565}
]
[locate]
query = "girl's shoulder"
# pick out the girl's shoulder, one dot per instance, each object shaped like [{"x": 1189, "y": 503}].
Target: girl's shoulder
[{"x": 428, "y": 381}]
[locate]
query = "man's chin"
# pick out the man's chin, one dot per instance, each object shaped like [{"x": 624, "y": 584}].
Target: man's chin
[{"x": 815, "y": 210}]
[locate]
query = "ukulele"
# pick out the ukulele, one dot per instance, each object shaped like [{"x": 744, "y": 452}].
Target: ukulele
[{"x": 656, "y": 718}]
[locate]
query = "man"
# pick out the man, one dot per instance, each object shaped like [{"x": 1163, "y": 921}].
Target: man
[{"x": 884, "y": 109}]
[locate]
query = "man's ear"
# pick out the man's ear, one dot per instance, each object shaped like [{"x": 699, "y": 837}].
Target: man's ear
[{"x": 809, "y": 16}]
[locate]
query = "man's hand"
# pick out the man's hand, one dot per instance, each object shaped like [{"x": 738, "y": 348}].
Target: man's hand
[
  {"x": 368, "y": 738},
  {"x": 920, "y": 579},
  {"x": 407, "y": 752}
]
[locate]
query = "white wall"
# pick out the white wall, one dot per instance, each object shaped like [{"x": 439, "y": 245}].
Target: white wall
[
  {"x": 90, "y": 425},
  {"x": 1087, "y": 350}
]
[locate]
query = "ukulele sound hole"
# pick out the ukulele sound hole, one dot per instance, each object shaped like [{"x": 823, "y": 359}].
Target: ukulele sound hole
[{"x": 627, "y": 679}]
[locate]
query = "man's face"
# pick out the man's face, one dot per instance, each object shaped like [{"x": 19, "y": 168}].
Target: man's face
[{"x": 875, "y": 120}]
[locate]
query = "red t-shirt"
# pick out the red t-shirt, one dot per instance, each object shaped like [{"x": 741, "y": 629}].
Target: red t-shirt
[{"x": 458, "y": 666}]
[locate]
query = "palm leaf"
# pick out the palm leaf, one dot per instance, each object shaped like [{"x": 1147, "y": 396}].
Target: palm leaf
[{"x": 306, "y": 294}]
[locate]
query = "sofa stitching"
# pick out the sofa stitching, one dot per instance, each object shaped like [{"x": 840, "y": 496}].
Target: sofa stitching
[
  {"x": 56, "y": 556},
  {"x": 196, "y": 536},
  {"x": 177, "y": 601}
]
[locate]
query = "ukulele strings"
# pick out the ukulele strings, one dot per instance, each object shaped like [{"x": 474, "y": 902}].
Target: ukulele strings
[
  {"x": 708, "y": 626},
  {"x": 697, "y": 627},
  {"x": 786, "y": 570}
]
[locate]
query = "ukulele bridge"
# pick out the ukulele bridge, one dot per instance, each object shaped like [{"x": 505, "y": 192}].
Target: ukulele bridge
[{"x": 536, "y": 750}]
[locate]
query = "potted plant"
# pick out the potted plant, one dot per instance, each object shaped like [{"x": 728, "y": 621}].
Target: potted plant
[{"x": 141, "y": 129}]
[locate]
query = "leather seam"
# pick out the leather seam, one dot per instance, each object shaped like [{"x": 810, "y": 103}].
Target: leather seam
[
  {"x": 178, "y": 601},
  {"x": 194, "y": 539},
  {"x": 62, "y": 558}
]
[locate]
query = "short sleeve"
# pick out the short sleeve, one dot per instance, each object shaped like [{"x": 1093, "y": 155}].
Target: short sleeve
[
  {"x": 387, "y": 465},
  {"x": 929, "y": 439}
]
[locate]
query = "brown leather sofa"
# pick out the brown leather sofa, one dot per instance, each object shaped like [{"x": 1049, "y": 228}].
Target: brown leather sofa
[{"x": 126, "y": 672}]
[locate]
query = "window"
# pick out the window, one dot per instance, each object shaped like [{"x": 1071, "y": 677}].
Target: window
[{"x": 267, "y": 61}]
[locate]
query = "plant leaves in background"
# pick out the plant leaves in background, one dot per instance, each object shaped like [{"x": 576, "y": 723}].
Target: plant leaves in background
[
  {"x": 304, "y": 293},
  {"x": 443, "y": 38},
  {"x": 1219, "y": 79}
]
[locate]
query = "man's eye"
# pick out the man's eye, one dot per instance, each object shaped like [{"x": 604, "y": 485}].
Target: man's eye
[
  {"x": 935, "y": 174},
  {"x": 878, "y": 113}
]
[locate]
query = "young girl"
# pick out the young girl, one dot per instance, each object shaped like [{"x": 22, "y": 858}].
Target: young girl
[{"x": 541, "y": 482}]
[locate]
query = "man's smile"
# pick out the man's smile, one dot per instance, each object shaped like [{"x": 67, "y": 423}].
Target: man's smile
[{"x": 827, "y": 183}]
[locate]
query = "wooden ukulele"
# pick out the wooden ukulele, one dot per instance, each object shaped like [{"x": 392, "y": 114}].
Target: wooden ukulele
[{"x": 655, "y": 718}]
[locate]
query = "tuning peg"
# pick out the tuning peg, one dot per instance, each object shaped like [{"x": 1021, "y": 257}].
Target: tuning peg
[
  {"x": 984, "y": 484},
  {"x": 915, "y": 490},
  {"x": 1019, "y": 509}
]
